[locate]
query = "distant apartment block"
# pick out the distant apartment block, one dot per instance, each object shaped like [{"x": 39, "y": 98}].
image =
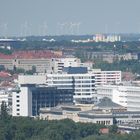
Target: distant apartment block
[
  {"x": 42, "y": 65},
  {"x": 106, "y": 38},
  {"x": 109, "y": 56},
  {"x": 27, "y": 59}
]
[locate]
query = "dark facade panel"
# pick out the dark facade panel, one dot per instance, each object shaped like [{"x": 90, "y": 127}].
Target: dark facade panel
[{"x": 49, "y": 97}]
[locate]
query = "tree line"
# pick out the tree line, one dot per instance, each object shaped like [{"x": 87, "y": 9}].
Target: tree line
[{"x": 26, "y": 128}]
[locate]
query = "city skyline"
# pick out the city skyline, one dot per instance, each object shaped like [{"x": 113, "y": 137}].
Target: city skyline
[{"x": 44, "y": 17}]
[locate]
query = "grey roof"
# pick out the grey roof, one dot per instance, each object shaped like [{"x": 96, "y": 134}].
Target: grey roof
[{"x": 107, "y": 103}]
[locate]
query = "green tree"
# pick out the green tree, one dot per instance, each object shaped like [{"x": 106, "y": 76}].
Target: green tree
[
  {"x": 2, "y": 68},
  {"x": 113, "y": 129},
  {"x": 4, "y": 112},
  {"x": 34, "y": 69}
]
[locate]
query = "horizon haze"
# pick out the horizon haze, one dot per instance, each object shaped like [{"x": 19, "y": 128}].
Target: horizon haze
[{"x": 53, "y": 17}]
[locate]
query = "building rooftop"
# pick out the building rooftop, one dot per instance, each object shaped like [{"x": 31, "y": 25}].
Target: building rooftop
[
  {"x": 34, "y": 54},
  {"x": 107, "y": 103},
  {"x": 75, "y": 70}
]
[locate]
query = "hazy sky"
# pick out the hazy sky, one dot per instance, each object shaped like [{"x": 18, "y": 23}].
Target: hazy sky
[{"x": 39, "y": 17}]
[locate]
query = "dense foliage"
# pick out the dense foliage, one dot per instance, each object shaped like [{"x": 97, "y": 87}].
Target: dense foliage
[
  {"x": 121, "y": 47},
  {"x": 123, "y": 65},
  {"x": 20, "y": 128},
  {"x": 25, "y": 128},
  {"x": 5, "y": 51}
]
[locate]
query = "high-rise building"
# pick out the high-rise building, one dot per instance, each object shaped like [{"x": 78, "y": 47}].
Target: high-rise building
[
  {"x": 28, "y": 99},
  {"x": 82, "y": 84}
]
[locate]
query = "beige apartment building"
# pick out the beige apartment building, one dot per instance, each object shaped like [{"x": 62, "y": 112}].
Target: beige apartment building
[{"x": 42, "y": 65}]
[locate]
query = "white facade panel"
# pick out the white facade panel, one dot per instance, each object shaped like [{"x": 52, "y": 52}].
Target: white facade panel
[
  {"x": 127, "y": 96},
  {"x": 31, "y": 79}
]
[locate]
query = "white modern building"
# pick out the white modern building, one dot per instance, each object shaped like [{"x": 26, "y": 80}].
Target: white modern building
[
  {"x": 32, "y": 79},
  {"x": 117, "y": 94},
  {"x": 127, "y": 96},
  {"x": 57, "y": 64},
  {"x": 106, "y": 77},
  {"x": 22, "y": 102},
  {"x": 82, "y": 84}
]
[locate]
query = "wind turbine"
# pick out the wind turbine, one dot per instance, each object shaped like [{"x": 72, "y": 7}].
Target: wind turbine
[
  {"x": 44, "y": 29},
  {"x": 1, "y": 28},
  {"x": 78, "y": 27},
  {"x": 62, "y": 26},
  {"x": 72, "y": 27},
  {"x": 117, "y": 26},
  {"x": 5, "y": 29},
  {"x": 26, "y": 29},
  {"x": 106, "y": 29}
]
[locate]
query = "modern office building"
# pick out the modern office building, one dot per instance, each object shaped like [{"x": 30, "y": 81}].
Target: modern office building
[
  {"x": 82, "y": 84},
  {"x": 57, "y": 64},
  {"x": 106, "y": 77},
  {"x": 32, "y": 79},
  {"x": 28, "y": 99},
  {"x": 117, "y": 94},
  {"x": 127, "y": 96}
]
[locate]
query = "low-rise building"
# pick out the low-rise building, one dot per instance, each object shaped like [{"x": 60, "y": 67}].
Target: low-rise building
[{"x": 106, "y": 113}]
